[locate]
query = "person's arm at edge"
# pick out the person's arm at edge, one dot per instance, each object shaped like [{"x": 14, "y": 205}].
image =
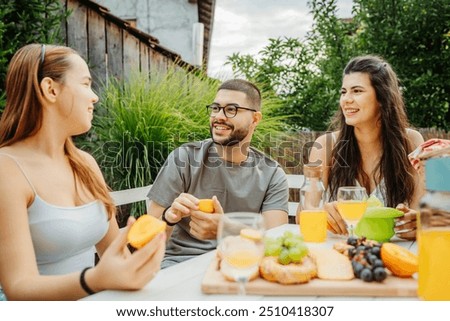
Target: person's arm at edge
[
  {"x": 416, "y": 139},
  {"x": 275, "y": 208},
  {"x": 275, "y": 218}
]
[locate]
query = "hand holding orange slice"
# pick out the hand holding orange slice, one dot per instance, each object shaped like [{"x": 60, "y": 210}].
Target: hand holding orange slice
[
  {"x": 399, "y": 260},
  {"x": 206, "y": 205},
  {"x": 144, "y": 230}
]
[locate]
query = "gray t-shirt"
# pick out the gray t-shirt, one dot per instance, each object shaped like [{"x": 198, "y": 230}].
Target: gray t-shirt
[{"x": 258, "y": 184}]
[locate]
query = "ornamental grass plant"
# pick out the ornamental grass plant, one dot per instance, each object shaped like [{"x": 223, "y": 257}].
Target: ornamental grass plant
[{"x": 137, "y": 123}]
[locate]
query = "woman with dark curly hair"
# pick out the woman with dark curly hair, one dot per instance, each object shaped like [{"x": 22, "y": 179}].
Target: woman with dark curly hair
[{"x": 371, "y": 143}]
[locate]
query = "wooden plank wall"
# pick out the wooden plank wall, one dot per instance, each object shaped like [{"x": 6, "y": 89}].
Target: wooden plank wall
[{"x": 109, "y": 49}]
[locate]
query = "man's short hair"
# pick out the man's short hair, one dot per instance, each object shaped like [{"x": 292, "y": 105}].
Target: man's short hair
[{"x": 250, "y": 90}]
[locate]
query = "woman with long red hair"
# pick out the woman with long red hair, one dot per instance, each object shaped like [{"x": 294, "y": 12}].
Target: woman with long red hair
[{"x": 55, "y": 208}]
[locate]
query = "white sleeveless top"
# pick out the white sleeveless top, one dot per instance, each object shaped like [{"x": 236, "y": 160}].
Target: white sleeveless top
[
  {"x": 64, "y": 238},
  {"x": 379, "y": 190}
]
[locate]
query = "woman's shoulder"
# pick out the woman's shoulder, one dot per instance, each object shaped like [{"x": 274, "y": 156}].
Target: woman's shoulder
[
  {"x": 333, "y": 136},
  {"x": 321, "y": 150},
  {"x": 13, "y": 179},
  {"x": 88, "y": 158},
  {"x": 415, "y": 137},
  {"x": 8, "y": 159},
  {"x": 90, "y": 161}
]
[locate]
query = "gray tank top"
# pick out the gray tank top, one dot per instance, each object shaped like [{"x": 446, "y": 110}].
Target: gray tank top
[{"x": 64, "y": 238}]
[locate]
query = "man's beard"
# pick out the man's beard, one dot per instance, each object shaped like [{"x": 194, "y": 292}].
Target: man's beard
[{"x": 235, "y": 138}]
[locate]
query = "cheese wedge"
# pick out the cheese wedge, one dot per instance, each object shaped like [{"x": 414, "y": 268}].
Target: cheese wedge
[{"x": 331, "y": 265}]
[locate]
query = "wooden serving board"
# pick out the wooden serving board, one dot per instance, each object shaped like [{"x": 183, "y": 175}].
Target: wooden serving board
[{"x": 214, "y": 283}]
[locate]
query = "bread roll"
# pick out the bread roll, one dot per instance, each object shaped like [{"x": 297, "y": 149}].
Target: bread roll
[{"x": 292, "y": 273}]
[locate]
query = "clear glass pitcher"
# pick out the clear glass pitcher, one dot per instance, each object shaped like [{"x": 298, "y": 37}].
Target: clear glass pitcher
[{"x": 311, "y": 215}]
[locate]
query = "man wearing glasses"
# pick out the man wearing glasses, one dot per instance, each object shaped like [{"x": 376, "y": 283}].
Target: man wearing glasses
[{"x": 225, "y": 168}]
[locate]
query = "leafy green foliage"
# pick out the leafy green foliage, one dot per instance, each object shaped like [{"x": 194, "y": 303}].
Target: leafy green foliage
[
  {"x": 412, "y": 35},
  {"x": 27, "y": 21},
  {"x": 139, "y": 122},
  {"x": 300, "y": 71}
]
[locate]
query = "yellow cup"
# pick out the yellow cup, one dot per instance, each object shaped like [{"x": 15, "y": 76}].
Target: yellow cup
[{"x": 313, "y": 225}]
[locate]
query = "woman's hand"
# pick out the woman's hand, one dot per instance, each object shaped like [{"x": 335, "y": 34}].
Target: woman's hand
[
  {"x": 335, "y": 222},
  {"x": 406, "y": 225},
  {"x": 118, "y": 269}
]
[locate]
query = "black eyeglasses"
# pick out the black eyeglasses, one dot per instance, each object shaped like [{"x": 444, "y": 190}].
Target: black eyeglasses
[{"x": 229, "y": 110}]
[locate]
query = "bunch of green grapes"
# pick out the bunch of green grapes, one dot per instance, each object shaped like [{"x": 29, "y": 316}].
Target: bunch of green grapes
[{"x": 289, "y": 248}]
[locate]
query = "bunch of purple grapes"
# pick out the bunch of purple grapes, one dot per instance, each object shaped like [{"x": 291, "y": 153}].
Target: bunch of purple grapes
[{"x": 366, "y": 259}]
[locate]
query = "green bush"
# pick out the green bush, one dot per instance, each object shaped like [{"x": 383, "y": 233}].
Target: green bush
[{"x": 138, "y": 123}]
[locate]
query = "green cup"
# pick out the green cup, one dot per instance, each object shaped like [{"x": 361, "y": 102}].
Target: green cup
[{"x": 378, "y": 223}]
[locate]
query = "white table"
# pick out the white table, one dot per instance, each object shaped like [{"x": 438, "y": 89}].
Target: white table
[{"x": 183, "y": 282}]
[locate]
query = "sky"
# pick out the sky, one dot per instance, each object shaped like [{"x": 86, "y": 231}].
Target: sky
[{"x": 245, "y": 26}]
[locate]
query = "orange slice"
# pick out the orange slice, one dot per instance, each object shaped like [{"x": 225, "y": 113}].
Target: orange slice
[
  {"x": 399, "y": 260},
  {"x": 206, "y": 205},
  {"x": 144, "y": 230},
  {"x": 242, "y": 259},
  {"x": 251, "y": 234}
]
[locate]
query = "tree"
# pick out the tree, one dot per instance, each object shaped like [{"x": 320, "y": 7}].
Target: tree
[
  {"x": 413, "y": 35},
  {"x": 27, "y": 21}
]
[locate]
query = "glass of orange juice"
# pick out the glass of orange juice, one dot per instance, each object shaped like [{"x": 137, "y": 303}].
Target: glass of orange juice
[
  {"x": 313, "y": 225},
  {"x": 433, "y": 239},
  {"x": 241, "y": 245},
  {"x": 351, "y": 204}
]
